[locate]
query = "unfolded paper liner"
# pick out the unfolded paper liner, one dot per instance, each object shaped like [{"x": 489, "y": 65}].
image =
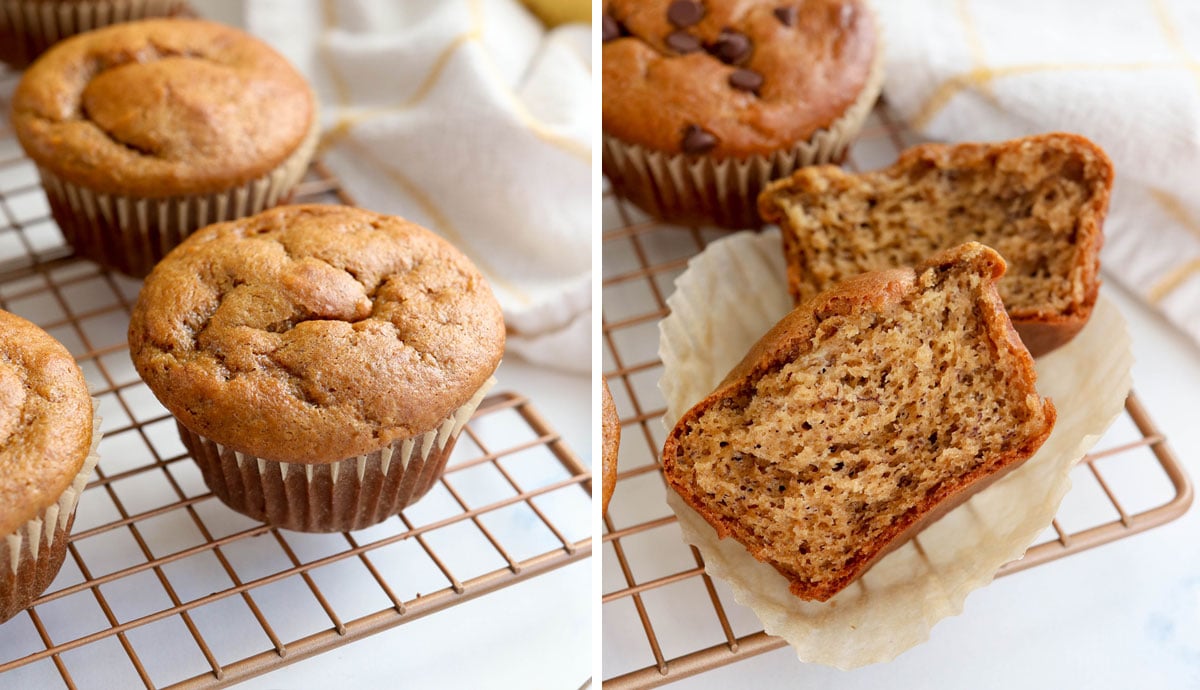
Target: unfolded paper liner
[
  {"x": 31, "y": 556},
  {"x": 29, "y": 27},
  {"x": 331, "y": 497},
  {"x": 131, "y": 234},
  {"x": 684, "y": 188},
  {"x": 729, "y": 296}
]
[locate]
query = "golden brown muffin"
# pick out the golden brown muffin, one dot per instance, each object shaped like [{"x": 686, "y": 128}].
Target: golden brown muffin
[
  {"x": 865, "y": 414},
  {"x": 611, "y": 438},
  {"x": 748, "y": 88},
  {"x": 145, "y": 131},
  {"x": 325, "y": 337},
  {"x": 46, "y": 429},
  {"x": 29, "y": 27},
  {"x": 1040, "y": 201}
]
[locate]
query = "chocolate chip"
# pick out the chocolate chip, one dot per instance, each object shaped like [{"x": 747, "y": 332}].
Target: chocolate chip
[
  {"x": 682, "y": 42},
  {"x": 731, "y": 47},
  {"x": 696, "y": 140},
  {"x": 786, "y": 15},
  {"x": 611, "y": 30},
  {"x": 685, "y": 13},
  {"x": 746, "y": 80}
]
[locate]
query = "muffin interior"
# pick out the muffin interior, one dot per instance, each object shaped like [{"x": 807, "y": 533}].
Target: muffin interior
[
  {"x": 1027, "y": 204},
  {"x": 824, "y": 457}
]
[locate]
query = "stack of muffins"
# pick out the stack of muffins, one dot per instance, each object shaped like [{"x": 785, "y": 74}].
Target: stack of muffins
[{"x": 320, "y": 360}]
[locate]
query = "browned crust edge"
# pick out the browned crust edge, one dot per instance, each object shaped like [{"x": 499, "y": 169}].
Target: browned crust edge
[
  {"x": 1042, "y": 330},
  {"x": 793, "y": 336},
  {"x": 611, "y": 436}
]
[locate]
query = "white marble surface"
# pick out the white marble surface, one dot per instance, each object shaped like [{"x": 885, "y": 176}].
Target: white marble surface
[
  {"x": 1124, "y": 615},
  {"x": 535, "y": 634}
]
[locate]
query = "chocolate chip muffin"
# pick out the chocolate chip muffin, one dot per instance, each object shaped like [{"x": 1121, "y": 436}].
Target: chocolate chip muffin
[
  {"x": 706, "y": 102},
  {"x": 29, "y": 27},
  {"x": 145, "y": 131},
  {"x": 48, "y": 438},
  {"x": 320, "y": 360}
]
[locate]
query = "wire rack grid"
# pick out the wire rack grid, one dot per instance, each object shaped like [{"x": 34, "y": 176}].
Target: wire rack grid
[
  {"x": 166, "y": 587},
  {"x": 665, "y": 619}
]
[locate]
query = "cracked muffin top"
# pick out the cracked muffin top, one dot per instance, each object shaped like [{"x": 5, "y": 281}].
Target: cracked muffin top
[
  {"x": 315, "y": 333},
  {"x": 162, "y": 107},
  {"x": 45, "y": 421},
  {"x": 731, "y": 78}
]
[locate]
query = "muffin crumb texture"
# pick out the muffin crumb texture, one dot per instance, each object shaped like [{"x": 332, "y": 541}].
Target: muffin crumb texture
[
  {"x": 1040, "y": 202},
  {"x": 315, "y": 333},
  {"x": 858, "y": 416}
]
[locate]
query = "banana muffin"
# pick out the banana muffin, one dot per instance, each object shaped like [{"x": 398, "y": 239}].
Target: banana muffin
[
  {"x": 865, "y": 414},
  {"x": 706, "y": 102},
  {"x": 47, "y": 451},
  {"x": 319, "y": 360},
  {"x": 1040, "y": 201},
  {"x": 29, "y": 27},
  {"x": 145, "y": 131}
]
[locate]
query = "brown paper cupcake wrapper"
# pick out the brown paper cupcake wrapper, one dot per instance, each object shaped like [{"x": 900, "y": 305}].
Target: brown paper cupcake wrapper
[
  {"x": 686, "y": 188},
  {"x": 730, "y": 295},
  {"x": 331, "y": 497},
  {"x": 131, "y": 234},
  {"x": 29, "y": 27},
  {"x": 31, "y": 557}
]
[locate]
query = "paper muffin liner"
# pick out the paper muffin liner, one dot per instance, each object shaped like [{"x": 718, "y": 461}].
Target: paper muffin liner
[
  {"x": 29, "y": 27},
  {"x": 685, "y": 188},
  {"x": 131, "y": 234},
  {"x": 330, "y": 497},
  {"x": 729, "y": 296},
  {"x": 31, "y": 556}
]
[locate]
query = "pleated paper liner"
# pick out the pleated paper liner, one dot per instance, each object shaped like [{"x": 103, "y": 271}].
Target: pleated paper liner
[
  {"x": 331, "y": 497},
  {"x": 31, "y": 557},
  {"x": 683, "y": 188},
  {"x": 131, "y": 234},
  {"x": 29, "y": 27},
  {"x": 734, "y": 292}
]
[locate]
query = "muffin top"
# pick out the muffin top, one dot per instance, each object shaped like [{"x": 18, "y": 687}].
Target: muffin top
[
  {"x": 731, "y": 78},
  {"x": 315, "y": 333},
  {"x": 45, "y": 421},
  {"x": 162, "y": 107}
]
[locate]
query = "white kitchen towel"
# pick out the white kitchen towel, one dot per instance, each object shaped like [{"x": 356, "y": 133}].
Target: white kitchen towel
[
  {"x": 1123, "y": 73},
  {"x": 472, "y": 119}
]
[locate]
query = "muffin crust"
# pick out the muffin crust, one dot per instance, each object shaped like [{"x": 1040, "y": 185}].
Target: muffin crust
[
  {"x": 342, "y": 330},
  {"x": 746, "y": 78},
  {"x": 45, "y": 421},
  {"x": 162, "y": 107}
]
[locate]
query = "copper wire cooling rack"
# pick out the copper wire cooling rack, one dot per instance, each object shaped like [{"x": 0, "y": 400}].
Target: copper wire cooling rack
[
  {"x": 664, "y": 619},
  {"x": 166, "y": 587}
]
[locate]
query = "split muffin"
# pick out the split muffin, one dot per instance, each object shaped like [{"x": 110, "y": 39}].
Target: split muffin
[
  {"x": 48, "y": 437},
  {"x": 320, "y": 360},
  {"x": 706, "y": 102},
  {"x": 144, "y": 132}
]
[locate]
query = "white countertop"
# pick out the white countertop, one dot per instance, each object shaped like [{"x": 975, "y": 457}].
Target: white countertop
[{"x": 1123, "y": 615}]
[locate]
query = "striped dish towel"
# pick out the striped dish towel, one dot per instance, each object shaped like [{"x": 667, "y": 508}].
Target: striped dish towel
[
  {"x": 473, "y": 119},
  {"x": 1124, "y": 74}
]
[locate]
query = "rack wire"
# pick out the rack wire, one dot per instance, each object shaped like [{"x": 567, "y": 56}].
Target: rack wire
[
  {"x": 664, "y": 619},
  {"x": 161, "y": 575}
]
